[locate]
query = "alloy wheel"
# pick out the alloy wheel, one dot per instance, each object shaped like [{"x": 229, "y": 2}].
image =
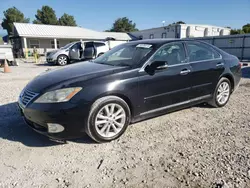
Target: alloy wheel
[
  {"x": 62, "y": 60},
  {"x": 223, "y": 93},
  {"x": 110, "y": 120}
]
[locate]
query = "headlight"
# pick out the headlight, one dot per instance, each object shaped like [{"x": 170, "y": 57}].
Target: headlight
[{"x": 61, "y": 95}]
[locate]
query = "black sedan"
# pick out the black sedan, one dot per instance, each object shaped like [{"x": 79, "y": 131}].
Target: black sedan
[{"x": 130, "y": 83}]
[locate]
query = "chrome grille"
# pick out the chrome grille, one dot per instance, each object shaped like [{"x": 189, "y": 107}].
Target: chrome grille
[
  {"x": 48, "y": 54},
  {"x": 27, "y": 96}
]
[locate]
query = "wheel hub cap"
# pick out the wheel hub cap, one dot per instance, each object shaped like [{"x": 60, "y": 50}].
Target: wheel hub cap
[
  {"x": 223, "y": 93},
  {"x": 110, "y": 120}
]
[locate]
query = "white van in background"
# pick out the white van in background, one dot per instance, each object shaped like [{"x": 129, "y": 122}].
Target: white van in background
[
  {"x": 80, "y": 50},
  {"x": 7, "y": 53}
]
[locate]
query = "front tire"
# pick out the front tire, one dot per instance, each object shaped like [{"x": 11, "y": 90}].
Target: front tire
[
  {"x": 100, "y": 54},
  {"x": 222, "y": 93},
  {"x": 108, "y": 119},
  {"x": 62, "y": 60}
]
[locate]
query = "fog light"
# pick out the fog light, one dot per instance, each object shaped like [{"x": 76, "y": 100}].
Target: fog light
[{"x": 55, "y": 128}]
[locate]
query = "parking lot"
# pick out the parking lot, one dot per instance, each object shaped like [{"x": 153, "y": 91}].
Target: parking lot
[{"x": 195, "y": 147}]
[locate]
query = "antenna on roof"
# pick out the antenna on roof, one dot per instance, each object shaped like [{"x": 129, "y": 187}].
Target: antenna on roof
[{"x": 163, "y": 23}]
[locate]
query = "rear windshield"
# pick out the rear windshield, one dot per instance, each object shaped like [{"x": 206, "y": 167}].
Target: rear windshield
[{"x": 125, "y": 54}]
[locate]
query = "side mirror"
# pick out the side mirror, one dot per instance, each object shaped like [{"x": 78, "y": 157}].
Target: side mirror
[
  {"x": 159, "y": 65},
  {"x": 156, "y": 65}
]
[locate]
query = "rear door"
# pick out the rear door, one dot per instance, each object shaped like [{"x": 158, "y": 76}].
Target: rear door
[
  {"x": 74, "y": 52},
  {"x": 206, "y": 67},
  {"x": 89, "y": 50}
]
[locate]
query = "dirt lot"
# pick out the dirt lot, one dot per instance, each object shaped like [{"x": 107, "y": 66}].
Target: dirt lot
[{"x": 195, "y": 147}]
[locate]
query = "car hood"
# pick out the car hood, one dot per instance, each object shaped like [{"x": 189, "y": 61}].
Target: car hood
[
  {"x": 64, "y": 76},
  {"x": 52, "y": 52}
]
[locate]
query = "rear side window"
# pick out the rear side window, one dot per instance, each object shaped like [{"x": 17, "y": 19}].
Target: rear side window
[
  {"x": 201, "y": 52},
  {"x": 99, "y": 44}
]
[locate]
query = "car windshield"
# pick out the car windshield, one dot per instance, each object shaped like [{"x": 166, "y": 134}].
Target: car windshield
[
  {"x": 67, "y": 46},
  {"x": 125, "y": 54}
]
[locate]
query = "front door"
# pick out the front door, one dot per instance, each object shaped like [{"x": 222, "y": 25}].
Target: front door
[
  {"x": 207, "y": 67},
  {"x": 74, "y": 52},
  {"x": 169, "y": 86}
]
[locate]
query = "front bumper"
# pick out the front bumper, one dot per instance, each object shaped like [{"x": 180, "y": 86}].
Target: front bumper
[
  {"x": 72, "y": 117},
  {"x": 50, "y": 60}
]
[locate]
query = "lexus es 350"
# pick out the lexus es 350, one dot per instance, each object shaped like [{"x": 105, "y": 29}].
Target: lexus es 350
[{"x": 132, "y": 82}]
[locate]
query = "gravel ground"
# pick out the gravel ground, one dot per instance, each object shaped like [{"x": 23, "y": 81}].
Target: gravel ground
[{"x": 195, "y": 147}]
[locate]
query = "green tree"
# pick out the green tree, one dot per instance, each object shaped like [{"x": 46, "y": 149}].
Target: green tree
[
  {"x": 246, "y": 28},
  {"x": 236, "y": 31},
  {"x": 12, "y": 15},
  {"x": 123, "y": 25},
  {"x": 180, "y": 22},
  {"x": 67, "y": 20},
  {"x": 46, "y": 16}
]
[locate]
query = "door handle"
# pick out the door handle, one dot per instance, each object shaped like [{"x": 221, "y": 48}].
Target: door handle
[
  {"x": 185, "y": 72},
  {"x": 219, "y": 64}
]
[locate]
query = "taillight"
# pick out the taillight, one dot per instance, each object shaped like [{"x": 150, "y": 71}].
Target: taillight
[{"x": 240, "y": 64}]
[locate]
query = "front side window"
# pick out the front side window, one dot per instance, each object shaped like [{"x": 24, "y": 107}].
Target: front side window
[
  {"x": 172, "y": 54},
  {"x": 201, "y": 52},
  {"x": 34, "y": 43},
  {"x": 76, "y": 46},
  {"x": 125, "y": 55}
]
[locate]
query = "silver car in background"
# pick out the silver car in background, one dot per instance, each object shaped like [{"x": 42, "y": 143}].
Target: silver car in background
[{"x": 77, "y": 51}]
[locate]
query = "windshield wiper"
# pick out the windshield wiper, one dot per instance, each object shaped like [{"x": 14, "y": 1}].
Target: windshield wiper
[
  {"x": 123, "y": 65},
  {"x": 102, "y": 63}
]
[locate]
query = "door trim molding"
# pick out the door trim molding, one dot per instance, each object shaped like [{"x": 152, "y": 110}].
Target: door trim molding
[
  {"x": 167, "y": 93},
  {"x": 175, "y": 105},
  {"x": 202, "y": 85}
]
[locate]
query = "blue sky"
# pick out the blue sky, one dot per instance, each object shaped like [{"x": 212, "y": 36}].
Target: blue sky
[{"x": 99, "y": 15}]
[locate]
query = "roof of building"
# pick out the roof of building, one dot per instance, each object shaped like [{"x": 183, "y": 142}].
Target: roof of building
[
  {"x": 70, "y": 32},
  {"x": 173, "y": 25}
]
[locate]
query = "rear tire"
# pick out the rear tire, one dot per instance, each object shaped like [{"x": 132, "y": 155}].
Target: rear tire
[
  {"x": 100, "y": 54},
  {"x": 108, "y": 119},
  {"x": 62, "y": 60},
  {"x": 222, "y": 93}
]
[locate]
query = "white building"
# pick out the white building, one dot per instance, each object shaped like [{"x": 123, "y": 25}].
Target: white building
[
  {"x": 49, "y": 37},
  {"x": 181, "y": 31}
]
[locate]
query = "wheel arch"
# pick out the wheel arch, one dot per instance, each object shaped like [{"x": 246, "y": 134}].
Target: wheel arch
[
  {"x": 62, "y": 55},
  {"x": 230, "y": 78},
  {"x": 100, "y": 54},
  {"x": 120, "y": 95}
]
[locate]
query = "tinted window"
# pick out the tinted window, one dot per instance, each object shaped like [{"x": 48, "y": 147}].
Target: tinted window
[
  {"x": 173, "y": 53},
  {"x": 199, "y": 52},
  {"x": 89, "y": 45},
  {"x": 99, "y": 44}
]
